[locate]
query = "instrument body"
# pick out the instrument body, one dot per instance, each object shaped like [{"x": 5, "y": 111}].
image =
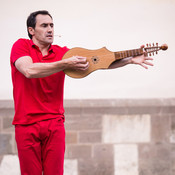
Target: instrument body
[
  {"x": 98, "y": 59},
  {"x": 103, "y": 58}
]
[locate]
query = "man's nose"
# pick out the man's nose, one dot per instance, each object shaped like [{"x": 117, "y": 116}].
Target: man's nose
[{"x": 50, "y": 28}]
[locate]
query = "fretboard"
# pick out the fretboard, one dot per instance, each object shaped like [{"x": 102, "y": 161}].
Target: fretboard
[{"x": 128, "y": 53}]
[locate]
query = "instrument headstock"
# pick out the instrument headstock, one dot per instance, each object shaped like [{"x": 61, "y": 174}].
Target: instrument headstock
[{"x": 154, "y": 48}]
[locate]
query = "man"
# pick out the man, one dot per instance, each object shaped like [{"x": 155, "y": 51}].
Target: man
[{"x": 38, "y": 82}]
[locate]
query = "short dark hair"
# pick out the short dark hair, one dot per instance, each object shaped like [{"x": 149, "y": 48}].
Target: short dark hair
[{"x": 31, "y": 20}]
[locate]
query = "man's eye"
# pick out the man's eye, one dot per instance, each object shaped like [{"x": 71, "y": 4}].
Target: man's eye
[{"x": 44, "y": 25}]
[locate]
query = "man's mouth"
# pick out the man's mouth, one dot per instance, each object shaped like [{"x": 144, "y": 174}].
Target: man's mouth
[{"x": 49, "y": 36}]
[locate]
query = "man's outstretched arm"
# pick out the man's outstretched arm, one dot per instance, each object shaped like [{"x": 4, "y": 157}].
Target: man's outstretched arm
[
  {"x": 38, "y": 70},
  {"x": 141, "y": 60}
]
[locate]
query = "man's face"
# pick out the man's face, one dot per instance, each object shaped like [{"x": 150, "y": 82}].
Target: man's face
[{"x": 43, "y": 32}]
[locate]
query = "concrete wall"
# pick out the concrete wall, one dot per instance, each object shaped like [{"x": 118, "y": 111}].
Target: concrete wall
[{"x": 107, "y": 137}]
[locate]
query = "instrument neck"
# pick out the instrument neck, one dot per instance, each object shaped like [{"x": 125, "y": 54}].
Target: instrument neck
[{"x": 128, "y": 53}]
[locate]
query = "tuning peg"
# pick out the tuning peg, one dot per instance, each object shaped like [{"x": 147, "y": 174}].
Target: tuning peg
[
  {"x": 153, "y": 44},
  {"x": 147, "y": 45}
]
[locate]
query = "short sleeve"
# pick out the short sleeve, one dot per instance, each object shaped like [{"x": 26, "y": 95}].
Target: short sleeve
[
  {"x": 65, "y": 49},
  {"x": 19, "y": 49}
]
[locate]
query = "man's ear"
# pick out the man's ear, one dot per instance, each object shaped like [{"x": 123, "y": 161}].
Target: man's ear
[{"x": 31, "y": 30}]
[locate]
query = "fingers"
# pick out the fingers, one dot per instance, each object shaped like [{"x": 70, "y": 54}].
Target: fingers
[
  {"x": 81, "y": 59},
  {"x": 143, "y": 61},
  {"x": 148, "y": 63},
  {"x": 144, "y": 66},
  {"x": 82, "y": 66},
  {"x": 82, "y": 63},
  {"x": 148, "y": 58},
  {"x": 78, "y": 63}
]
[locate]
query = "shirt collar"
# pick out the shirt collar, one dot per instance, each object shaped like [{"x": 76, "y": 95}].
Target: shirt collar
[{"x": 51, "y": 49}]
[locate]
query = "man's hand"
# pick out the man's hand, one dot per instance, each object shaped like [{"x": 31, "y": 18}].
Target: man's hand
[
  {"x": 77, "y": 63},
  {"x": 142, "y": 60}
]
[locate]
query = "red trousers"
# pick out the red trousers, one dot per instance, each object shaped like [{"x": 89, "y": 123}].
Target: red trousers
[{"x": 41, "y": 147}]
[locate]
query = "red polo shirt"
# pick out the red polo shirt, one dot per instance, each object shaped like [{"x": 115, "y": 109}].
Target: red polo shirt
[{"x": 37, "y": 99}]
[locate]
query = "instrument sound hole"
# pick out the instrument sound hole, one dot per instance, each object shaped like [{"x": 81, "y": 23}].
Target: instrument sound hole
[{"x": 95, "y": 59}]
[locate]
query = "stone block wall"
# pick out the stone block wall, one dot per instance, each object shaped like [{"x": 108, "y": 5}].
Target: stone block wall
[{"x": 107, "y": 137}]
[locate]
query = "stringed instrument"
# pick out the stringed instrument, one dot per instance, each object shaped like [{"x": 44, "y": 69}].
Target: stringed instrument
[{"x": 103, "y": 58}]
